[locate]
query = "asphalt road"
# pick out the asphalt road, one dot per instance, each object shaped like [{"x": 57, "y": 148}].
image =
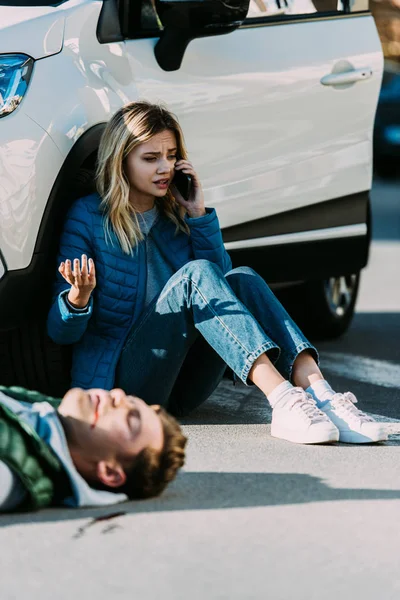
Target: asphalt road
[{"x": 250, "y": 517}]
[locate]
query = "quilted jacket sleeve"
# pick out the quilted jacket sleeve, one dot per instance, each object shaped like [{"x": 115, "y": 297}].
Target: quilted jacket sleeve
[
  {"x": 65, "y": 326},
  {"x": 207, "y": 240}
]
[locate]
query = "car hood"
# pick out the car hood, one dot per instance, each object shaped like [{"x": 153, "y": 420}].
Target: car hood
[{"x": 37, "y": 31}]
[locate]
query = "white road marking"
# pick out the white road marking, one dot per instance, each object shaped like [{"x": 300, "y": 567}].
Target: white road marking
[
  {"x": 392, "y": 425},
  {"x": 368, "y": 370},
  {"x": 358, "y": 368},
  {"x": 379, "y": 289}
]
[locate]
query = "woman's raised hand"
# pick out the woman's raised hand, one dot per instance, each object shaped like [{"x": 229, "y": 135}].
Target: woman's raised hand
[
  {"x": 81, "y": 277},
  {"x": 195, "y": 204}
]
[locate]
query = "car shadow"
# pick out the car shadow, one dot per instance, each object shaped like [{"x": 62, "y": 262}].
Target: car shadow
[
  {"x": 213, "y": 491},
  {"x": 374, "y": 335}
]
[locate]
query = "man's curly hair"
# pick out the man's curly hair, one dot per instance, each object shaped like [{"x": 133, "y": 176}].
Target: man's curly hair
[{"x": 153, "y": 470}]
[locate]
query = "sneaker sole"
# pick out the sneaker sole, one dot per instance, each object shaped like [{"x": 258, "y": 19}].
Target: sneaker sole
[
  {"x": 353, "y": 437},
  {"x": 318, "y": 437}
]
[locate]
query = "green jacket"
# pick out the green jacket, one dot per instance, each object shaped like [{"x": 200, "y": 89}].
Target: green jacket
[{"x": 33, "y": 461}]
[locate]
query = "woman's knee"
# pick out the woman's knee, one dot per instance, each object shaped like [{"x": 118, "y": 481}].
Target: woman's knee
[
  {"x": 239, "y": 271},
  {"x": 245, "y": 276},
  {"x": 200, "y": 266},
  {"x": 245, "y": 280}
]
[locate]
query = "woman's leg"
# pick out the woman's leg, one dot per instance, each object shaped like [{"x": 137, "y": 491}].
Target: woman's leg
[
  {"x": 196, "y": 301},
  {"x": 299, "y": 360},
  {"x": 295, "y": 415},
  {"x": 262, "y": 303},
  {"x": 305, "y": 371},
  {"x": 201, "y": 373}
]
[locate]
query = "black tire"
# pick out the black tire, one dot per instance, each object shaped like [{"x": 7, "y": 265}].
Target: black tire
[
  {"x": 386, "y": 168},
  {"x": 29, "y": 358},
  {"x": 323, "y": 309},
  {"x": 83, "y": 183}
]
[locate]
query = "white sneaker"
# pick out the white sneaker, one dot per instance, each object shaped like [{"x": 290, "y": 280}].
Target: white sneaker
[
  {"x": 355, "y": 427},
  {"x": 299, "y": 420}
]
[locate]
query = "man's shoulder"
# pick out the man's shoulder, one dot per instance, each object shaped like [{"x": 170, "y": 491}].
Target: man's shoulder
[
  {"x": 30, "y": 396},
  {"x": 29, "y": 456}
]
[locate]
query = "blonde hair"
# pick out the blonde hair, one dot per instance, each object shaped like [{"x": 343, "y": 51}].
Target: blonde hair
[{"x": 131, "y": 125}]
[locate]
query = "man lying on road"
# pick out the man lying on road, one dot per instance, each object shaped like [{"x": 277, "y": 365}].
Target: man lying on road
[{"x": 91, "y": 448}]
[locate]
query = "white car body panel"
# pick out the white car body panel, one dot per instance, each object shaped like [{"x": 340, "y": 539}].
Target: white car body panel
[
  {"x": 36, "y": 31},
  {"x": 99, "y": 74},
  {"x": 29, "y": 160},
  {"x": 56, "y": 121},
  {"x": 264, "y": 134}
]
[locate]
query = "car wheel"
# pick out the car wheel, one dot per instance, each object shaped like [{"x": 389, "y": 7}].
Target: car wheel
[
  {"x": 386, "y": 168},
  {"x": 29, "y": 358},
  {"x": 324, "y": 308}
]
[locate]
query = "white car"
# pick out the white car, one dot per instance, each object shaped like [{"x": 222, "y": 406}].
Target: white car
[{"x": 277, "y": 102}]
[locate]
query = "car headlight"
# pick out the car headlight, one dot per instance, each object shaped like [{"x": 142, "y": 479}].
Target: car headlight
[{"x": 15, "y": 73}]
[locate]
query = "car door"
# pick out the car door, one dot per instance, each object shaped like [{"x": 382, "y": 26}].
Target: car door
[{"x": 265, "y": 133}]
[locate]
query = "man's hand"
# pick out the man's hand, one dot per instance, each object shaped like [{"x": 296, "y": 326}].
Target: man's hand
[{"x": 81, "y": 278}]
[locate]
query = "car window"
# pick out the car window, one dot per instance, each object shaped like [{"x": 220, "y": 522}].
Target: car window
[
  {"x": 149, "y": 20},
  {"x": 268, "y": 10},
  {"x": 287, "y": 9}
]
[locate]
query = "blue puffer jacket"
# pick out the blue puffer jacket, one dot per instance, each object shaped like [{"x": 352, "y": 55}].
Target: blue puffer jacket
[{"x": 117, "y": 301}]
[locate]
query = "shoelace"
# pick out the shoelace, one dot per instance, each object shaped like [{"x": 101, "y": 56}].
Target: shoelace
[
  {"x": 345, "y": 403},
  {"x": 306, "y": 403}
]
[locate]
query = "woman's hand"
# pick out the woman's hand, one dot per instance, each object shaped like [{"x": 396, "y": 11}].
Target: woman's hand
[
  {"x": 82, "y": 280},
  {"x": 195, "y": 204}
]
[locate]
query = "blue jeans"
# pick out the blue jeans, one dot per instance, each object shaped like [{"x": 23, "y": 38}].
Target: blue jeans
[{"x": 202, "y": 321}]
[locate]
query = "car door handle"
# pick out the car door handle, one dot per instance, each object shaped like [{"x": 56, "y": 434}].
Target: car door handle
[{"x": 347, "y": 77}]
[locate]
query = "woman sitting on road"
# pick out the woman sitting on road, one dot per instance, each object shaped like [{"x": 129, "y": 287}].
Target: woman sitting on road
[{"x": 158, "y": 310}]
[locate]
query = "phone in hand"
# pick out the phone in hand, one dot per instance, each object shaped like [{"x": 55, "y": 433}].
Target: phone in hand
[{"x": 183, "y": 184}]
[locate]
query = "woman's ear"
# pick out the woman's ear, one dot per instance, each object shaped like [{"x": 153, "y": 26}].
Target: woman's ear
[{"x": 110, "y": 473}]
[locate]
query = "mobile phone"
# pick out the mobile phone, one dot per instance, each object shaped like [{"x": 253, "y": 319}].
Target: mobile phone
[{"x": 183, "y": 184}]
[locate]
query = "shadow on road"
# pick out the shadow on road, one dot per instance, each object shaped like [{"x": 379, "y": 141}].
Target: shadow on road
[
  {"x": 385, "y": 213},
  {"x": 214, "y": 490},
  {"x": 374, "y": 335}
]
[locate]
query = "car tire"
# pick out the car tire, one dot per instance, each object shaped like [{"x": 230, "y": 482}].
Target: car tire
[
  {"x": 323, "y": 308},
  {"x": 29, "y": 358},
  {"x": 386, "y": 168}
]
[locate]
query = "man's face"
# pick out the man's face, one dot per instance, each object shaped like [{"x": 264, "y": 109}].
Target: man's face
[{"x": 108, "y": 429}]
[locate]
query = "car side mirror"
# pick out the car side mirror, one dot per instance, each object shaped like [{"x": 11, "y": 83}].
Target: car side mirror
[{"x": 186, "y": 20}]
